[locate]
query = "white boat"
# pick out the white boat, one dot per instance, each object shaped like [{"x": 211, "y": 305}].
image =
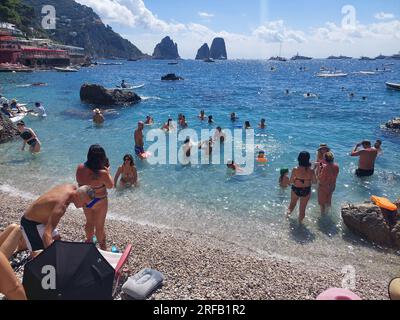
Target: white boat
[
  {"x": 368, "y": 73},
  {"x": 128, "y": 88},
  {"x": 332, "y": 75},
  {"x": 67, "y": 69},
  {"x": 393, "y": 85},
  {"x": 18, "y": 117}
]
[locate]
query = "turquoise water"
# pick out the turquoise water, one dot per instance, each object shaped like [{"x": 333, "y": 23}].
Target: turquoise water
[{"x": 204, "y": 199}]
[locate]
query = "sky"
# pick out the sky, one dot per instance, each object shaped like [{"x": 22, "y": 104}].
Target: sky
[{"x": 258, "y": 29}]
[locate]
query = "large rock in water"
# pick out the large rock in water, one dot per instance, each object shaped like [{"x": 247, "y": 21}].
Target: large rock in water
[
  {"x": 166, "y": 49},
  {"x": 171, "y": 77},
  {"x": 7, "y": 129},
  {"x": 368, "y": 221},
  {"x": 203, "y": 52},
  {"x": 95, "y": 94},
  {"x": 218, "y": 49},
  {"x": 393, "y": 124}
]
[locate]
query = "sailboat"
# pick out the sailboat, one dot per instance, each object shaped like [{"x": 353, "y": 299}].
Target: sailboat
[{"x": 278, "y": 58}]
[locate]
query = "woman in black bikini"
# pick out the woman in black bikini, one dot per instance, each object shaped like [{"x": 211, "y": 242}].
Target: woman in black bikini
[
  {"x": 127, "y": 172},
  {"x": 303, "y": 177},
  {"x": 29, "y": 137},
  {"x": 95, "y": 172}
]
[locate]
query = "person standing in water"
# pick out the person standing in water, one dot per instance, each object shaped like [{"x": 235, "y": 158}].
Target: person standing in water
[
  {"x": 29, "y": 137},
  {"x": 302, "y": 178},
  {"x": 95, "y": 172},
  {"x": 98, "y": 117},
  {"x": 366, "y": 164},
  {"x": 139, "y": 143},
  {"x": 327, "y": 177},
  {"x": 41, "y": 110},
  {"x": 128, "y": 173}
]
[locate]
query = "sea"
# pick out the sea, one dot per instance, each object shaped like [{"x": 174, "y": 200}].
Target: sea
[{"x": 205, "y": 199}]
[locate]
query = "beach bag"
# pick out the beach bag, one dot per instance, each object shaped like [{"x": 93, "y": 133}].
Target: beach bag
[{"x": 143, "y": 284}]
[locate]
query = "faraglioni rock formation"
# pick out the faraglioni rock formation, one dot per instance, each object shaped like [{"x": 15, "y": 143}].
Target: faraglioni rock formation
[
  {"x": 218, "y": 49},
  {"x": 98, "y": 95},
  {"x": 203, "y": 53},
  {"x": 376, "y": 225},
  {"x": 166, "y": 50},
  {"x": 7, "y": 129}
]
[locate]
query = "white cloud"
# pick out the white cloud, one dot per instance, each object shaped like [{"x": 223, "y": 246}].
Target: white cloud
[
  {"x": 131, "y": 13},
  {"x": 384, "y": 16},
  {"x": 206, "y": 15},
  {"x": 276, "y": 31}
]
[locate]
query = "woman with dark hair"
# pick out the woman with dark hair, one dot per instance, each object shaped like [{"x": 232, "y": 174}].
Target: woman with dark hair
[
  {"x": 127, "y": 172},
  {"x": 95, "y": 172},
  {"x": 29, "y": 137},
  {"x": 302, "y": 178}
]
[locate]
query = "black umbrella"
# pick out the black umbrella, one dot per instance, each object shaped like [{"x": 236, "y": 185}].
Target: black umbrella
[{"x": 69, "y": 271}]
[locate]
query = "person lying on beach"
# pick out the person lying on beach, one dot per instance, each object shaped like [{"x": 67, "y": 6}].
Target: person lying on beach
[
  {"x": 233, "y": 166},
  {"x": 327, "y": 177},
  {"x": 302, "y": 178},
  {"x": 262, "y": 124},
  {"x": 40, "y": 220},
  {"x": 202, "y": 116},
  {"x": 149, "y": 120},
  {"x": 284, "y": 180},
  {"x": 10, "y": 286},
  {"x": 29, "y": 137},
  {"x": 95, "y": 172},
  {"x": 98, "y": 117},
  {"x": 366, "y": 165},
  {"x": 234, "y": 117},
  {"x": 128, "y": 173}
]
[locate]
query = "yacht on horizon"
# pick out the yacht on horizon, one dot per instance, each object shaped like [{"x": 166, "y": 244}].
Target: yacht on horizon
[
  {"x": 339, "y": 58},
  {"x": 367, "y": 58},
  {"x": 299, "y": 57}
]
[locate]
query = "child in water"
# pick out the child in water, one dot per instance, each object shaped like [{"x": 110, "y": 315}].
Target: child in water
[
  {"x": 284, "y": 180},
  {"x": 261, "y": 156}
]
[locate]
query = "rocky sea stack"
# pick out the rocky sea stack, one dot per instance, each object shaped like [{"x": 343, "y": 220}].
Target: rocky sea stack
[
  {"x": 98, "y": 95},
  {"x": 203, "y": 53},
  {"x": 166, "y": 50},
  {"x": 171, "y": 77},
  {"x": 393, "y": 124},
  {"x": 377, "y": 225},
  {"x": 218, "y": 49},
  {"x": 7, "y": 129}
]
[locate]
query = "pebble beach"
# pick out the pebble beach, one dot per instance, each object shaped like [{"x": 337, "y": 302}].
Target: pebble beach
[{"x": 202, "y": 267}]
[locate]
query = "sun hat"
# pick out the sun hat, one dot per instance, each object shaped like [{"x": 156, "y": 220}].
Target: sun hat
[{"x": 323, "y": 146}]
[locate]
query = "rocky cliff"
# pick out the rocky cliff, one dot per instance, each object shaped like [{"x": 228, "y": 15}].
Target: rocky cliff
[
  {"x": 7, "y": 129},
  {"x": 203, "y": 52},
  {"x": 80, "y": 26},
  {"x": 218, "y": 49},
  {"x": 166, "y": 49}
]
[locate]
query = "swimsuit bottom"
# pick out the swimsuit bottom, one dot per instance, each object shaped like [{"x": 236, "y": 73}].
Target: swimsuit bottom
[
  {"x": 301, "y": 192},
  {"x": 364, "y": 173},
  {"x": 139, "y": 150}
]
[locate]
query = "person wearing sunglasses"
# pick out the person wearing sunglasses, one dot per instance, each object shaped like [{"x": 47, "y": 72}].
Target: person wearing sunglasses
[{"x": 128, "y": 173}]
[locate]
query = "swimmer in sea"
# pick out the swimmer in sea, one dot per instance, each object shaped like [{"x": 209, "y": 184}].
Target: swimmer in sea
[
  {"x": 233, "y": 166},
  {"x": 128, "y": 173},
  {"x": 168, "y": 126},
  {"x": 210, "y": 120},
  {"x": 98, "y": 117},
  {"x": 262, "y": 124},
  {"x": 378, "y": 146},
  {"x": 149, "y": 120},
  {"x": 247, "y": 125},
  {"x": 284, "y": 180},
  {"x": 202, "y": 116},
  {"x": 234, "y": 117}
]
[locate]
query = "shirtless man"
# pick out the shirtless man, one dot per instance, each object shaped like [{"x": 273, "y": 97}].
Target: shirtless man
[
  {"x": 139, "y": 144},
  {"x": 367, "y": 159},
  {"x": 38, "y": 225}
]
